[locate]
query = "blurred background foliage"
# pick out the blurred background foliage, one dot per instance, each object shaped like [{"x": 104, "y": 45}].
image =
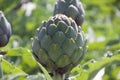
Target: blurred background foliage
[{"x": 101, "y": 27}]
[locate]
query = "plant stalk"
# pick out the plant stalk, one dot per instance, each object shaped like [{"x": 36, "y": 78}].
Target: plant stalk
[
  {"x": 1, "y": 71},
  {"x": 58, "y": 76}
]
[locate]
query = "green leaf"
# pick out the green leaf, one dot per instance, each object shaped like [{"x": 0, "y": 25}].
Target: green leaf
[
  {"x": 7, "y": 5},
  {"x": 18, "y": 52},
  {"x": 36, "y": 77},
  {"x": 45, "y": 72},
  {"x": 91, "y": 68},
  {"x": 8, "y": 68},
  {"x": 25, "y": 57}
]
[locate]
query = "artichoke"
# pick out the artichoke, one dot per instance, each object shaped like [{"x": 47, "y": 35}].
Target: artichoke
[
  {"x": 70, "y": 8},
  {"x": 58, "y": 44},
  {"x": 5, "y": 30}
]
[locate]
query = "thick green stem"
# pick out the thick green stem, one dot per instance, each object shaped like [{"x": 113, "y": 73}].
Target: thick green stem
[
  {"x": 1, "y": 72},
  {"x": 58, "y": 76}
]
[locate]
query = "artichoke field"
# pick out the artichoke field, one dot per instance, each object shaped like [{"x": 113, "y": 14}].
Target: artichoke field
[{"x": 57, "y": 50}]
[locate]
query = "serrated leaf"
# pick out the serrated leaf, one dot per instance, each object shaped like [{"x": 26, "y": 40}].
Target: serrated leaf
[{"x": 94, "y": 68}]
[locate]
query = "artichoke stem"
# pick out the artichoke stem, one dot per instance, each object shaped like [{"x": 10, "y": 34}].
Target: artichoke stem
[
  {"x": 57, "y": 76},
  {"x": 1, "y": 71}
]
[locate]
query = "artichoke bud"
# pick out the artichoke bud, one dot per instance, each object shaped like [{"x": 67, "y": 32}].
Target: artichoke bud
[
  {"x": 73, "y": 11},
  {"x": 59, "y": 45},
  {"x": 70, "y": 8},
  {"x": 5, "y": 30}
]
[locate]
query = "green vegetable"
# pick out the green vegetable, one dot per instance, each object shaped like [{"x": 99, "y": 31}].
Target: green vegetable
[
  {"x": 70, "y": 8},
  {"x": 5, "y": 30},
  {"x": 59, "y": 45}
]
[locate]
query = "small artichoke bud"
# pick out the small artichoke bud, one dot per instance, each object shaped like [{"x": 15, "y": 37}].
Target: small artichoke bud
[
  {"x": 58, "y": 44},
  {"x": 70, "y": 8},
  {"x": 5, "y": 30}
]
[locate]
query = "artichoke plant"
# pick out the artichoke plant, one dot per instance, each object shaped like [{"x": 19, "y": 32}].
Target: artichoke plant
[
  {"x": 70, "y": 8},
  {"x": 59, "y": 45},
  {"x": 5, "y": 30}
]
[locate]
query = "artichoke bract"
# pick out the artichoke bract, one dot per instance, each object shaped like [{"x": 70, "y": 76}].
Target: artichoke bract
[
  {"x": 5, "y": 30},
  {"x": 70, "y": 8},
  {"x": 58, "y": 44}
]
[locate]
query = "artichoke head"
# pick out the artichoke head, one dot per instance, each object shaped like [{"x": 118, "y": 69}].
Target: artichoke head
[
  {"x": 5, "y": 30},
  {"x": 58, "y": 44},
  {"x": 70, "y": 8}
]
